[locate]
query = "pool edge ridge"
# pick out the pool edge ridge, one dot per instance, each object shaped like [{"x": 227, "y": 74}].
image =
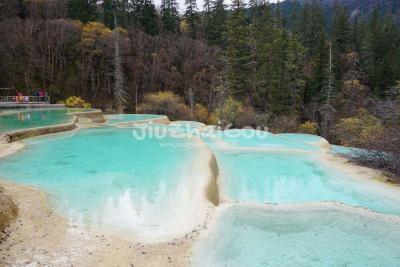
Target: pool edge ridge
[
  {"x": 13, "y": 136},
  {"x": 358, "y": 172},
  {"x": 95, "y": 116},
  {"x": 7, "y": 149},
  {"x": 163, "y": 119},
  {"x": 212, "y": 189}
]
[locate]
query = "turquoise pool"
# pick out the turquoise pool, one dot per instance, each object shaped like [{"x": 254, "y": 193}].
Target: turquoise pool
[
  {"x": 150, "y": 179},
  {"x": 277, "y": 169},
  {"x": 305, "y": 223},
  {"x": 251, "y": 235},
  {"x": 284, "y": 178},
  {"x": 252, "y": 139},
  {"x": 108, "y": 177},
  {"x": 13, "y": 120},
  {"x": 124, "y": 118}
]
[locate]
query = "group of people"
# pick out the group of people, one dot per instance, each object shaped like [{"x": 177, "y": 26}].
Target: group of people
[
  {"x": 41, "y": 95},
  {"x": 21, "y": 98}
]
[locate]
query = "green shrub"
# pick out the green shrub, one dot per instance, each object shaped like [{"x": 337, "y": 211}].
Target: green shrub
[
  {"x": 200, "y": 113},
  {"x": 231, "y": 109},
  {"x": 76, "y": 102},
  {"x": 283, "y": 124},
  {"x": 86, "y": 105},
  {"x": 165, "y": 103},
  {"x": 213, "y": 118},
  {"x": 236, "y": 113},
  {"x": 246, "y": 117},
  {"x": 308, "y": 128}
]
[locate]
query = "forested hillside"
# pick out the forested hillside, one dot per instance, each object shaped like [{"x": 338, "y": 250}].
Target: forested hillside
[
  {"x": 246, "y": 63},
  {"x": 356, "y": 7}
]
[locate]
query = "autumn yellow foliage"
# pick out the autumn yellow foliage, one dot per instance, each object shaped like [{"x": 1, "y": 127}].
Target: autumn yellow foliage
[
  {"x": 93, "y": 31},
  {"x": 76, "y": 102},
  {"x": 213, "y": 118},
  {"x": 358, "y": 129},
  {"x": 235, "y": 114},
  {"x": 165, "y": 103},
  {"x": 200, "y": 113},
  {"x": 308, "y": 127},
  {"x": 231, "y": 109}
]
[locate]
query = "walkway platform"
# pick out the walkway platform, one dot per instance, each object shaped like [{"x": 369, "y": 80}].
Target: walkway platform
[{"x": 29, "y": 105}]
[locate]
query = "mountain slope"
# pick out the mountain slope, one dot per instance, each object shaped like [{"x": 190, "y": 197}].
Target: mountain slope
[{"x": 356, "y": 7}]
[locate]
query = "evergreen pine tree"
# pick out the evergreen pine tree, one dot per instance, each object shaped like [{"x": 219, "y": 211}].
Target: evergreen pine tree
[
  {"x": 206, "y": 18},
  {"x": 341, "y": 38},
  {"x": 279, "y": 61},
  {"x": 146, "y": 17},
  {"x": 381, "y": 53},
  {"x": 83, "y": 10},
  {"x": 293, "y": 21},
  {"x": 359, "y": 29},
  {"x": 280, "y": 95},
  {"x": 313, "y": 37},
  {"x": 265, "y": 34},
  {"x": 124, "y": 12},
  {"x": 170, "y": 16},
  {"x": 341, "y": 30},
  {"x": 192, "y": 17},
  {"x": 215, "y": 31},
  {"x": 108, "y": 13},
  {"x": 255, "y": 16},
  {"x": 294, "y": 78},
  {"x": 237, "y": 51}
]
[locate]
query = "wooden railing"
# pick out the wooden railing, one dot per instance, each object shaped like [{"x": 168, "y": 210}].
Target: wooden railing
[{"x": 25, "y": 99}]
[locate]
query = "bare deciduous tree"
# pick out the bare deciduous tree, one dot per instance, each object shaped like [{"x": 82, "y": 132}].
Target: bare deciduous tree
[
  {"x": 327, "y": 110},
  {"x": 119, "y": 77}
]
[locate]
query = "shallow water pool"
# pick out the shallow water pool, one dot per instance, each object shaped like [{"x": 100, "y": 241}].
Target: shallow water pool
[
  {"x": 252, "y": 139},
  {"x": 108, "y": 177},
  {"x": 297, "y": 178},
  {"x": 304, "y": 225},
  {"x": 327, "y": 235},
  {"x": 13, "y": 120}
]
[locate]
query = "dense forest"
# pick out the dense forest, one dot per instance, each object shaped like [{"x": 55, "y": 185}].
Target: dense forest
[{"x": 295, "y": 66}]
